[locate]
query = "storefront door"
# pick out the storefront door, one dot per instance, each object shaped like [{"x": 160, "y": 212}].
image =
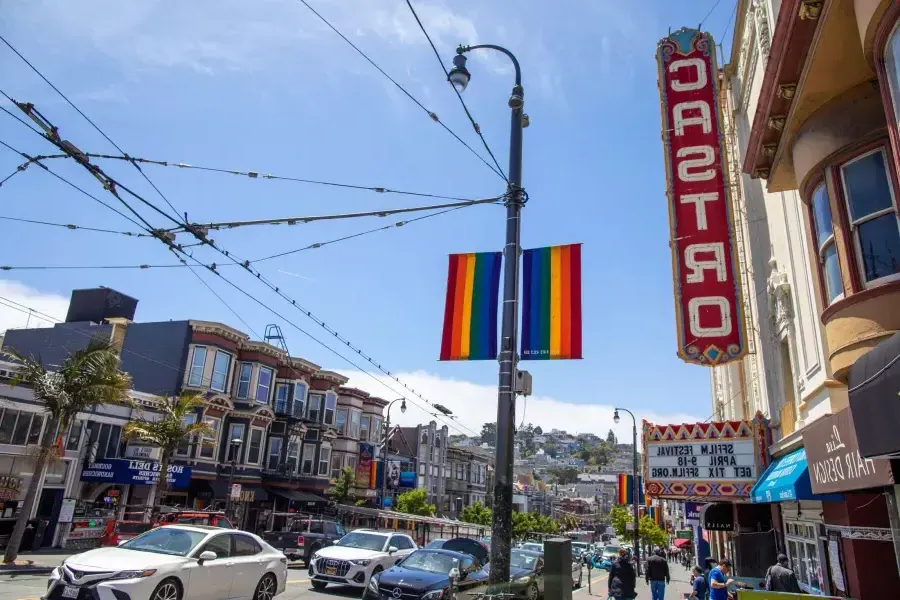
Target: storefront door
[{"x": 48, "y": 510}]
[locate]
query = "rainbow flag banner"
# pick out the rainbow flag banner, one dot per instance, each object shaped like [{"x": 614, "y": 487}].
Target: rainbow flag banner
[
  {"x": 625, "y": 493},
  {"x": 470, "y": 311},
  {"x": 551, "y": 310}
]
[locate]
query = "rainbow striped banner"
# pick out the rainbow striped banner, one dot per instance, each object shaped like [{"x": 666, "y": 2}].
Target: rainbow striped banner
[
  {"x": 625, "y": 493},
  {"x": 551, "y": 311},
  {"x": 470, "y": 311}
]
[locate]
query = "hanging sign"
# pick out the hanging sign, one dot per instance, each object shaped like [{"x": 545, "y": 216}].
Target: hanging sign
[
  {"x": 708, "y": 303},
  {"x": 135, "y": 472}
]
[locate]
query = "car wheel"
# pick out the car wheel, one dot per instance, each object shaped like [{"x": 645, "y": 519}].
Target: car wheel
[
  {"x": 266, "y": 588},
  {"x": 532, "y": 593},
  {"x": 168, "y": 589},
  {"x": 318, "y": 585}
]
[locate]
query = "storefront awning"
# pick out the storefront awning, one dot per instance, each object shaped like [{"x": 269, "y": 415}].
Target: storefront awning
[
  {"x": 874, "y": 381},
  {"x": 682, "y": 543},
  {"x": 298, "y": 496},
  {"x": 787, "y": 479}
]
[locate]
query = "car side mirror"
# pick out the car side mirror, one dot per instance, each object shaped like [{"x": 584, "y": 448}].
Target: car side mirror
[
  {"x": 392, "y": 549},
  {"x": 205, "y": 556}
]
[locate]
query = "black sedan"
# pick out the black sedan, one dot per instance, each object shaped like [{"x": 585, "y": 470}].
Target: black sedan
[{"x": 426, "y": 573}]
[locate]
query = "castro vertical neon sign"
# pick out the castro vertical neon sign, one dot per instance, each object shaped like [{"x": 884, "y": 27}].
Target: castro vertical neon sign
[{"x": 708, "y": 304}]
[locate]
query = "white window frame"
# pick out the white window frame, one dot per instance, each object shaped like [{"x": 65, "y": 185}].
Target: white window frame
[
  {"x": 803, "y": 539},
  {"x": 189, "y": 443},
  {"x": 242, "y": 448},
  {"x": 342, "y": 429},
  {"x": 376, "y": 427},
  {"x": 854, "y": 224},
  {"x": 293, "y": 452},
  {"x": 324, "y": 460},
  {"x": 368, "y": 428},
  {"x": 351, "y": 462},
  {"x": 354, "y": 423},
  {"x": 309, "y": 449},
  {"x": 262, "y": 445},
  {"x": 330, "y": 404},
  {"x": 227, "y": 372},
  {"x": 341, "y": 459},
  {"x": 287, "y": 396},
  {"x": 300, "y": 399},
  {"x": 274, "y": 441},
  {"x": 268, "y": 387},
  {"x": 242, "y": 381},
  {"x": 893, "y": 86},
  {"x": 207, "y": 441},
  {"x": 319, "y": 399},
  {"x": 193, "y": 366},
  {"x": 829, "y": 242}
]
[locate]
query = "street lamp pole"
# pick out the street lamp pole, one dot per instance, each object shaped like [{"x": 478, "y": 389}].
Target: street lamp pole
[
  {"x": 636, "y": 493},
  {"x": 387, "y": 431},
  {"x": 501, "y": 528},
  {"x": 233, "y": 448}
]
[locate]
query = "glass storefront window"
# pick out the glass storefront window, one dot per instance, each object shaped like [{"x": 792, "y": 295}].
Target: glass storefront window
[{"x": 803, "y": 552}]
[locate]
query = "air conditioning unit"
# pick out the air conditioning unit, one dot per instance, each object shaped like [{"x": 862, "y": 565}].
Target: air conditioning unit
[{"x": 145, "y": 452}]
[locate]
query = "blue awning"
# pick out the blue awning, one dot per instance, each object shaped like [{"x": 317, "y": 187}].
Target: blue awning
[{"x": 787, "y": 479}]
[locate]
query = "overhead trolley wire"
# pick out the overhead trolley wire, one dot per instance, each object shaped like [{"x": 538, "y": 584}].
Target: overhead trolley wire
[
  {"x": 431, "y": 114},
  {"x": 73, "y": 227},
  {"x": 475, "y": 125}
]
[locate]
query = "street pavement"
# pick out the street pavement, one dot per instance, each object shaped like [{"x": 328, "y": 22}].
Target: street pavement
[{"x": 30, "y": 587}]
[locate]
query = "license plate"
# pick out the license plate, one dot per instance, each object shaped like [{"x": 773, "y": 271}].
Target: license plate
[
  {"x": 70, "y": 591},
  {"x": 330, "y": 570}
]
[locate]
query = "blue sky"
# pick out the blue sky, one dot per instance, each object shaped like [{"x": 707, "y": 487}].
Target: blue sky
[{"x": 266, "y": 86}]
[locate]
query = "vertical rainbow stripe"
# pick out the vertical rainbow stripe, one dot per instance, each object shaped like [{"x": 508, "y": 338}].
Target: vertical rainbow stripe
[
  {"x": 470, "y": 311},
  {"x": 551, "y": 311},
  {"x": 625, "y": 493}
]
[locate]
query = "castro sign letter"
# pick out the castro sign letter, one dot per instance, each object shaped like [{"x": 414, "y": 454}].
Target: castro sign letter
[{"x": 708, "y": 304}]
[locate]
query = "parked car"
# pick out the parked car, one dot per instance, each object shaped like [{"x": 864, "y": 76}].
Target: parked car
[
  {"x": 428, "y": 573},
  {"x": 354, "y": 558},
  {"x": 174, "y": 562},
  {"x": 611, "y": 552},
  {"x": 526, "y": 574},
  {"x": 195, "y": 517},
  {"x": 532, "y": 547},
  {"x": 301, "y": 537},
  {"x": 580, "y": 550},
  {"x": 436, "y": 544}
]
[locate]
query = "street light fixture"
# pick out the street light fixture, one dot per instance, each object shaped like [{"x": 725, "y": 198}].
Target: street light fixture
[
  {"x": 501, "y": 526},
  {"x": 636, "y": 492}
]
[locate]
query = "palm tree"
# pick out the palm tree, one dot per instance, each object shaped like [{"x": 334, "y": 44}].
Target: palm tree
[
  {"x": 169, "y": 431},
  {"x": 86, "y": 378}
]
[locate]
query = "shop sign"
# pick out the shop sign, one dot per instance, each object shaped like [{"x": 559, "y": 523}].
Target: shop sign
[
  {"x": 235, "y": 491},
  {"x": 10, "y": 487},
  {"x": 713, "y": 459},
  {"x": 708, "y": 303},
  {"x": 835, "y": 464},
  {"x": 718, "y": 517},
  {"x": 135, "y": 472},
  {"x": 692, "y": 511},
  {"x": 364, "y": 465}
]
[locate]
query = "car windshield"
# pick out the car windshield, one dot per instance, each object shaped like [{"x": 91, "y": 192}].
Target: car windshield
[
  {"x": 166, "y": 540},
  {"x": 433, "y": 562},
  {"x": 366, "y": 541},
  {"x": 533, "y": 547},
  {"x": 579, "y": 545},
  {"x": 436, "y": 544},
  {"x": 521, "y": 560},
  {"x": 611, "y": 550}
]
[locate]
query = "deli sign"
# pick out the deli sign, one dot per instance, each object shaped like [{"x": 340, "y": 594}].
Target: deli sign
[{"x": 708, "y": 304}]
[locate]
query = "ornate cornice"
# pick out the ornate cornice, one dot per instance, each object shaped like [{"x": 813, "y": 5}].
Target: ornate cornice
[
  {"x": 219, "y": 329},
  {"x": 331, "y": 376},
  {"x": 263, "y": 348}
]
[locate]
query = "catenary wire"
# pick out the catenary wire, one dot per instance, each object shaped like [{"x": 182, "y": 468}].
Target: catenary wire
[
  {"x": 475, "y": 125},
  {"x": 708, "y": 14},
  {"x": 431, "y": 114},
  {"x": 73, "y": 227},
  {"x": 88, "y": 119},
  {"x": 731, "y": 21}
]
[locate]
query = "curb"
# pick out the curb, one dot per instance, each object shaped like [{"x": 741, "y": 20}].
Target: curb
[{"x": 35, "y": 570}]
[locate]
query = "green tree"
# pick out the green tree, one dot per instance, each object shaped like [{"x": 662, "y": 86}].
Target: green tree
[
  {"x": 650, "y": 532},
  {"x": 415, "y": 502},
  {"x": 611, "y": 438},
  {"x": 489, "y": 434},
  {"x": 86, "y": 378},
  {"x": 564, "y": 475},
  {"x": 619, "y": 517},
  {"x": 341, "y": 490},
  {"x": 171, "y": 429},
  {"x": 478, "y": 513}
]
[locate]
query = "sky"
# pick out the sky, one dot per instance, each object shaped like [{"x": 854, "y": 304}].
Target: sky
[{"x": 266, "y": 86}]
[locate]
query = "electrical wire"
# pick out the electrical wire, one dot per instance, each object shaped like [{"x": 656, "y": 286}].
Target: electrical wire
[
  {"x": 475, "y": 125},
  {"x": 431, "y": 114},
  {"x": 73, "y": 227},
  {"x": 731, "y": 21},
  {"x": 88, "y": 119},
  {"x": 84, "y": 267},
  {"x": 700, "y": 26}
]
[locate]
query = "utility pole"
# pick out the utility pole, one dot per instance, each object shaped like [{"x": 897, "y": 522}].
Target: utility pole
[
  {"x": 384, "y": 463},
  {"x": 636, "y": 492}
]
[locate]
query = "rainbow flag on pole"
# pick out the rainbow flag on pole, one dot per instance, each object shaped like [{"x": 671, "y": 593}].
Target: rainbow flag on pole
[
  {"x": 551, "y": 311},
  {"x": 470, "y": 311},
  {"x": 625, "y": 493}
]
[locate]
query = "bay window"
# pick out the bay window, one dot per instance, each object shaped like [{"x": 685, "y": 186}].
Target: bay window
[
  {"x": 351, "y": 462},
  {"x": 221, "y": 367},
  {"x": 300, "y": 389},
  {"x": 235, "y": 432},
  {"x": 309, "y": 457},
  {"x": 243, "y": 386},
  {"x": 336, "y": 465},
  {"x": 330, "y": 404},
  {"x": 281, "y": 398},
  {"x": 872, "y": 210},
  {"x": 255, "y": 446},
  {"x": 341, "y": 421},
  {"x": 314, "y": 412},
  {"x": 354, "y": 424},
  {"x": 208, "y": 441},
  {"x": 892, "y": 68},
  {"x": 184, "y": 449},
  {"x": 264, "y": 384},
  {"x": 364, "y": 423},
  {"x": 293, "y": 456},
  {"x": 823, "y": 227},
  {"x": 376, "y": 429},
  {"x": 275, "y": 453},
  {"x": 324, "y": 460},
  {"x": 198, "y": 362}
]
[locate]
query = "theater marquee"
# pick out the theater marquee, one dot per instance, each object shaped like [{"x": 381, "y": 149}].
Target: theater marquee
[{"x": 708, "y": 304}]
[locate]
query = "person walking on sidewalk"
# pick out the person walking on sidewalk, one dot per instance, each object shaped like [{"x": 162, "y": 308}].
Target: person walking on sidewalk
[
  {"x": 657, "y": 575},
  {"x": 622, "y": 578},
  {"x": 780, "y": 577},
  {"x": 719, "y": 580},
  {"x": 699, "y": 586}
]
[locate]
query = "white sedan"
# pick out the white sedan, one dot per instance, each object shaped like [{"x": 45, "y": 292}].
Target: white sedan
[
  {"x": 176, "y": 562},
  {"x": 354, "y": 558}
]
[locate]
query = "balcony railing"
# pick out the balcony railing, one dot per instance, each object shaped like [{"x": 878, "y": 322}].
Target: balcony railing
[{"x": 788, "y": 414}]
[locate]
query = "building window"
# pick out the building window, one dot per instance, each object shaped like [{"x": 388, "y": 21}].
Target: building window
[
  {"x": 892, "y": 68},
  {"x": 221, "y": 366},
  {"x": 19, "y": 427},
  {"x": 341, "y": 421},
  {"x": 209, "y": 441},
  {"x": 299, "y": 399},
  {"x": 293, "y": 456},
  {"x": 309, "y": 456},
  {"x": 275, "y": 453},
  {"x": 873, "y": 215},
  {"x": 802, "y": 546},
  {"x": 263, "y": 385},
  {"x": 312, "y": 435},
  {"x": 281, "y": 398},
  {"x": 376, "y": 429},
  {"x": 330, "y": 404},
  {"x": 198, "y": 361},
  {"x": 243, "y": 388},
  {"x": 235, "y": 432},
  {"x": 73, "y": 441},
  {"x": 34, "y": 433},
  {"x": 351, "y": 462},
  {"x": 336, "y": 462},
  {"x": 324, "y": 460},
  {"x": 364, "y": 423},
  {"x": 255, "y": 446},
  {"x": 314, "y": 412},
  {"x": 354, "y": 424},
  {"x": 828, "y": 259},
  {"x": 185, "y": 448}
]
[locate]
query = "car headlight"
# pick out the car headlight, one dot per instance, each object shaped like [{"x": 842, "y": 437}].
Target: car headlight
[
  {"x": 133, "y": 574},
  {"x": 360, "y": 562},
  {"x": 373, "y": 583},
  {"x": 526, "y": 579},
  {"x": 435, "y": 594}
]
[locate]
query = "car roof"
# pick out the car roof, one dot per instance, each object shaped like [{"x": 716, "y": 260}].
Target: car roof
[
  {"x": 527, "y": 552},
  {"x": 453, "y": 553},
  {"x": 382, "y": 533},
  {"x": 200, "y": 528}
]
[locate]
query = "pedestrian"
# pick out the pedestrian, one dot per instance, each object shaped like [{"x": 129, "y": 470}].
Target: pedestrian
[
  {"x": 622, "y": 578},
  {"x": 657, "y": 575},
  {"x": 699, "y": 586},
  {"x": 719, "y": 580},
  {"x": 708, "y": 565},
  {"x": 780, "y": 577}
]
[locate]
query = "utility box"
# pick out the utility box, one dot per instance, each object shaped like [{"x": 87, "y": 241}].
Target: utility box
[{"x": 558, "y": 569}]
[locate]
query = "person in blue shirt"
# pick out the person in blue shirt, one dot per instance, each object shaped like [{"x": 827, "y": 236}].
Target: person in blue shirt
[
  {"x": 698, "y": 584},
  {"x": 719, "y": 580}
]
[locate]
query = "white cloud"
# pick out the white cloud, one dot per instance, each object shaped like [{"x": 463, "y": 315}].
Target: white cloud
[
  {"x": 52, "y": 305},
  {"x": 475, "y": 404}
]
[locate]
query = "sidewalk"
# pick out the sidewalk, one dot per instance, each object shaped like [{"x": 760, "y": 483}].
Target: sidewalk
[
  {"x": 36, "y": 562},
  {"x": 679, "y": 586}
]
